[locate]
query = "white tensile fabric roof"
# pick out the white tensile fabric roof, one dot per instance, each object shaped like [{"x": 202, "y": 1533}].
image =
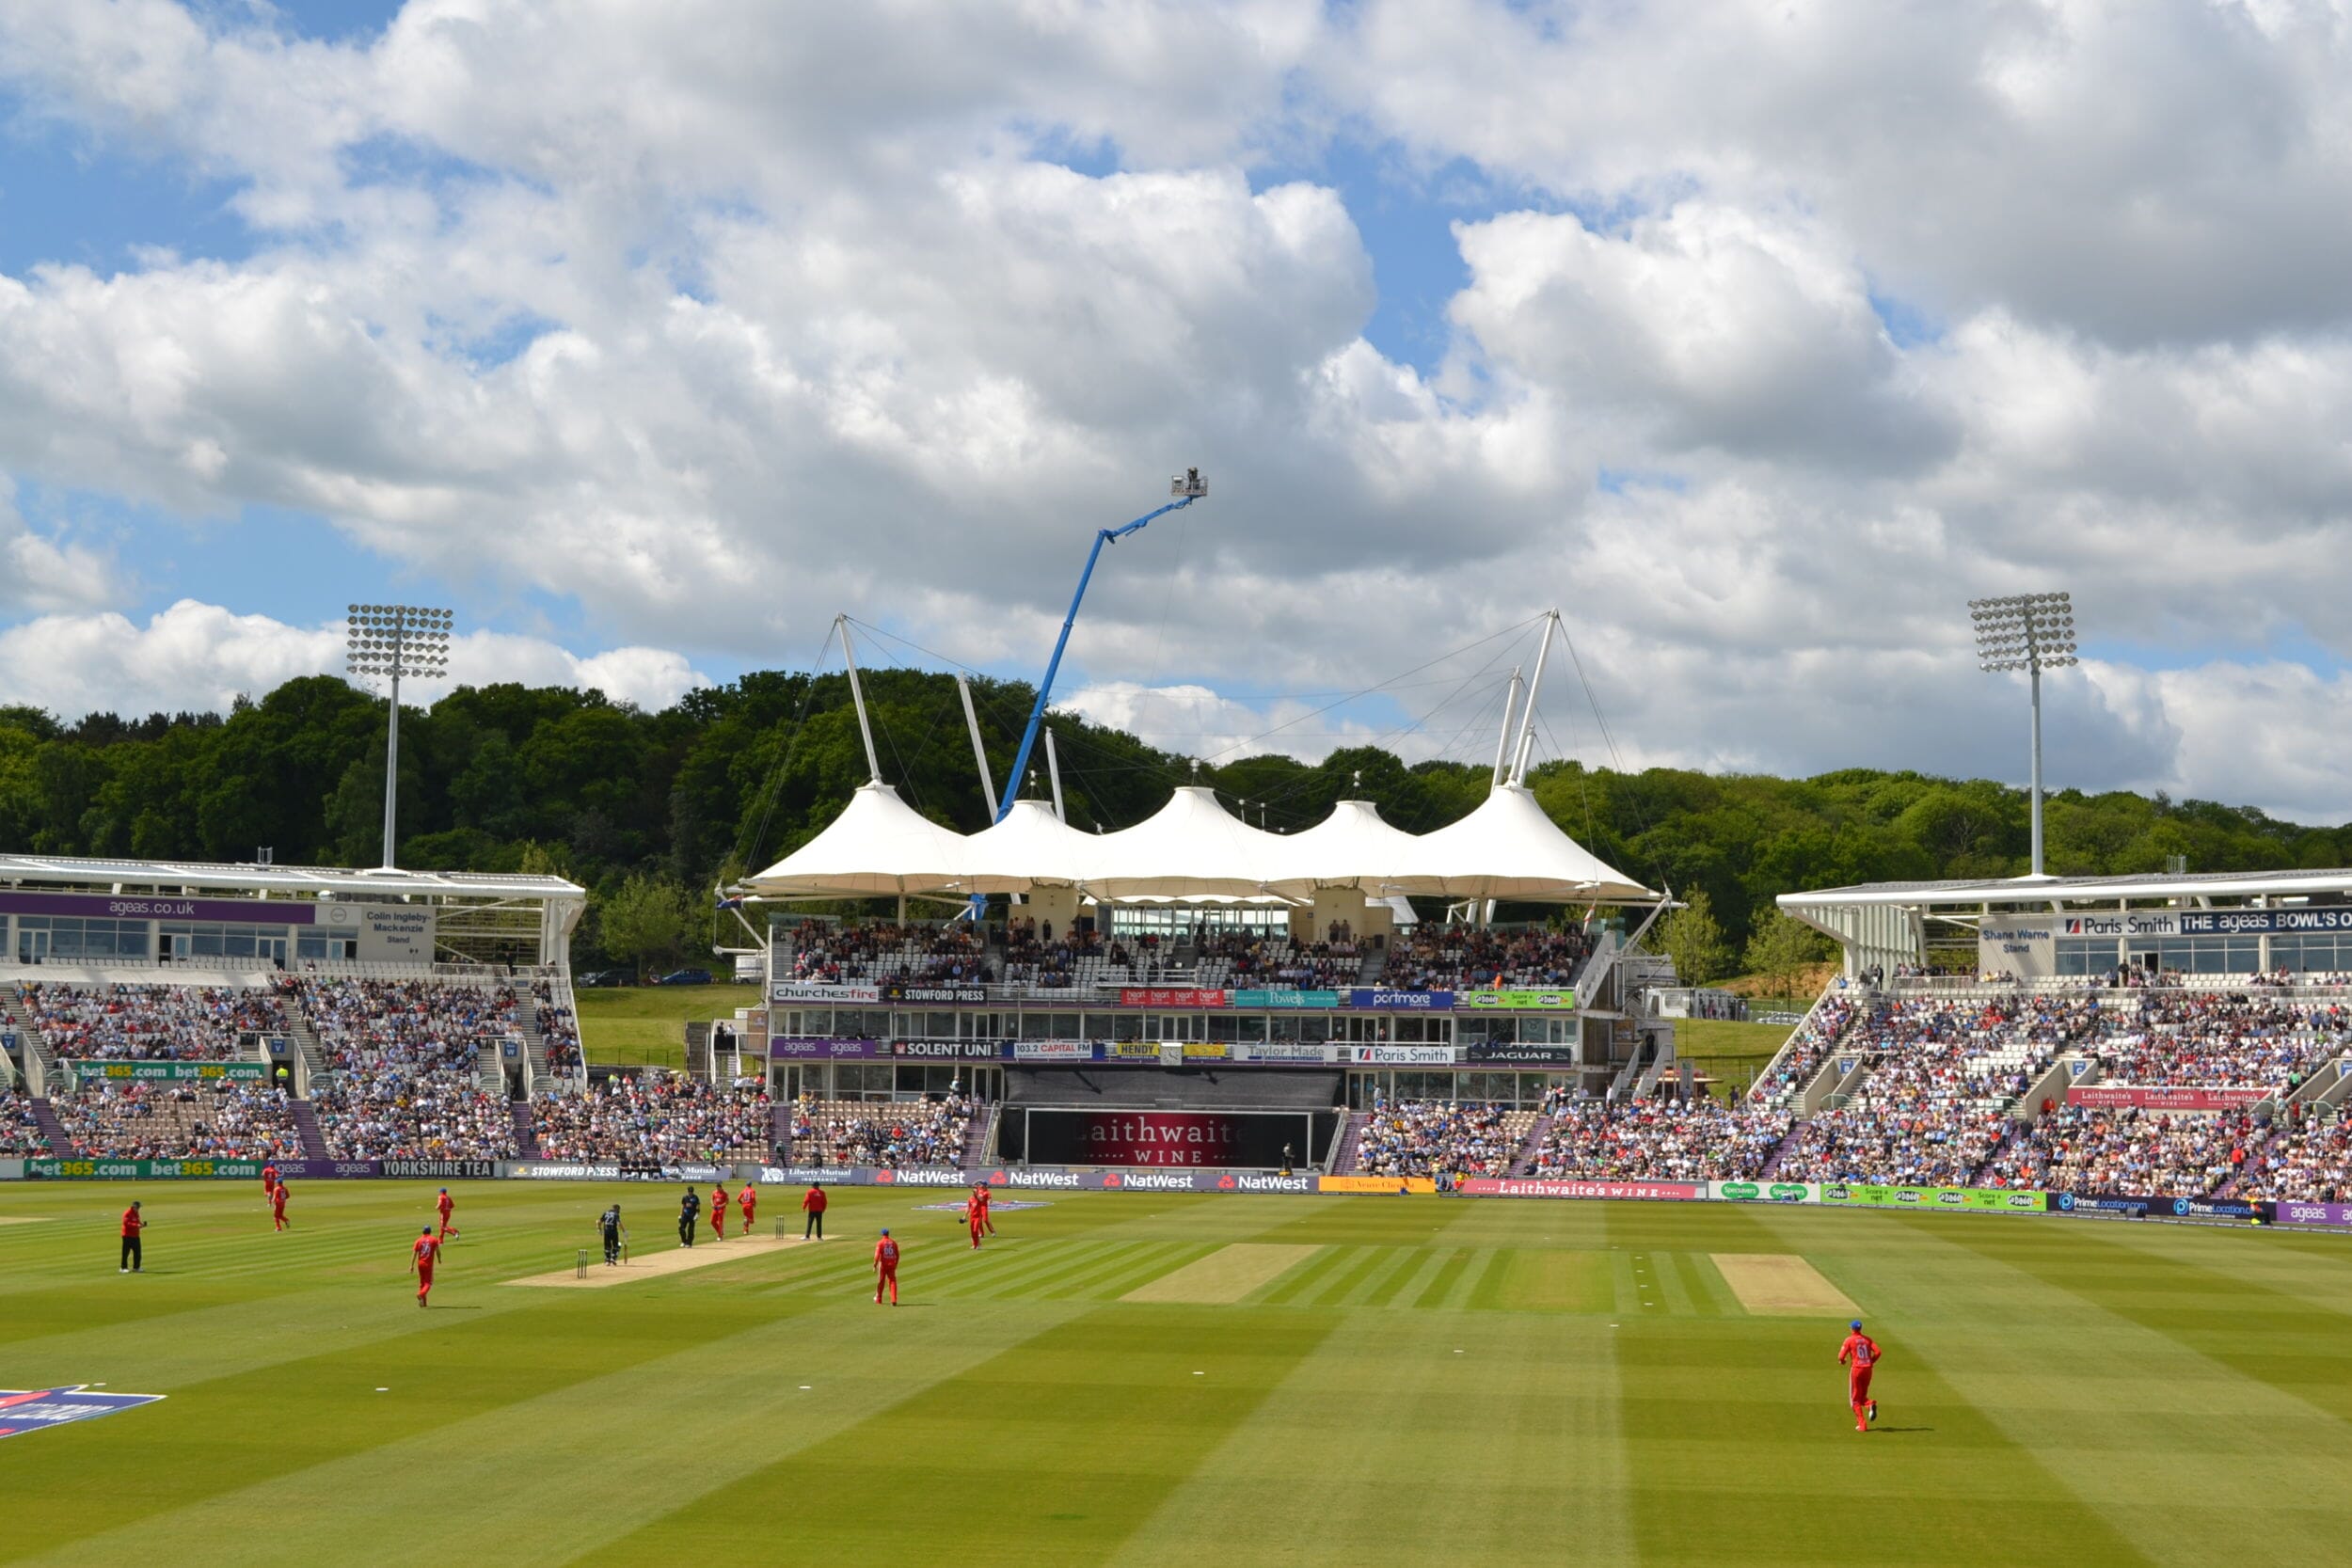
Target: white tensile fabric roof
[
  {"x": 1193, "y": 848},
  {"x": 1029, "y": 847},
  {"x": 879, "y": 843},
  {"x": 1510, "y": 848},
  {"x": 1190, "y": 846},
  {"x": 1354, "y": 846}
]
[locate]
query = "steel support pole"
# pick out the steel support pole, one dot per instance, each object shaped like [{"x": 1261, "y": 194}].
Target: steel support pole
[
  {"x": 857, "y": 696},
  {"x": 392, "y": 751},
  {"x": 1503, "y": 741},
  {"x": 980, "y": 753},
  {"x": 1534, "y": 687},
  {"x": 2034, "y": 675}
]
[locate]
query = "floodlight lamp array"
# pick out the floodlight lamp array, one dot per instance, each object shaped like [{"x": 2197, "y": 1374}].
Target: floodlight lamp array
[
  {"x": 2024, "y": 631},
  {"x": 397, "y": 640}
]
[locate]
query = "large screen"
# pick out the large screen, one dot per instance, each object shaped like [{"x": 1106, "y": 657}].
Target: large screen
[{"x": 1237, "y": 1139}]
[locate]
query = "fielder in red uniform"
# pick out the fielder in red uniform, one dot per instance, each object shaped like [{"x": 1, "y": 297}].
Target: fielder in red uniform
[
  {"x": 718, "y": 1211},
  {"x": 747, "y": 1199},
  {"x": 980, "y": 1193},
  {"x": 443, "y": 1204},
  {"x": 886, "y": 1269},
  {"x": 975, "y": 1216},
  {"x": 421, "y": 1256},
  {"x": 269, "y": 1181},
  {"x": 278, "y": 1205},
  {"x": 1859, "y": 1356}
]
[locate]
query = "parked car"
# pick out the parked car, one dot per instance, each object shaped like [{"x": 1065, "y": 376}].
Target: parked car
[
  {"x": 607, "y": 977},
  {"x": 685, "y": 977}
]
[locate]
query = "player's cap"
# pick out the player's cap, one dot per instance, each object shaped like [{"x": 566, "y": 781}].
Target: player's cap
[
  {"x": 445, "y": 1189},
  {"x": 428, "y": 1231},
  {"x": 885, "y": 1230},
  {"x": 135, "y": 1203},
  {"x": 1855, "y": 1326}
]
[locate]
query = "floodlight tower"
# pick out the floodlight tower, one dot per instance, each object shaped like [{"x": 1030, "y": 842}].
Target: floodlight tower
[
  {"x": 396, "y": 639},
  {"x": 2032, "y": 632},
  {"x": 1186, "y": 487}
]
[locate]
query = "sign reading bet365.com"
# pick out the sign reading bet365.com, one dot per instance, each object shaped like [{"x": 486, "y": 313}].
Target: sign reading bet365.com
[{"x": 24, "y": 1410}]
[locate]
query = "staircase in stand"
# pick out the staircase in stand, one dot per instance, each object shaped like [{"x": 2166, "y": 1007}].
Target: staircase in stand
[
  {"x": 1371, "y": 965},
  {"x": 52, "y": 1129},
  {"x": 526, "y": 1129},
  {"x": 980, "y": 1137},
  {"x": 780, "y": 1131},
  {"x": 1781, "y": 1151},
  {"x": 1351, "y": 1137},
  {"x": 1524, "y": 1160},
  {"x": 305, "y": 1121}
]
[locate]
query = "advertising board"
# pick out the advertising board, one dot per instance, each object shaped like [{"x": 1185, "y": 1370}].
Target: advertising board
[
  {"x": 2157, "y": 1099},
  {"x": 1389, "y": 1186},
  {"x": 1515, "y": 1186},
  {"x": 1381, "y": 1000},
  {"x": 1053, "y": 1050},
  {"x": 1765, "y": 1192},
  {"x": 800, "y": 990},
  {"x": 1282, "y": 999},
  {"x": 1156, "y": 996},
  {"x": 2152, "y": 1206},
  {"x": 2288, "y": 1212},
  {"x": 1562, "y": 1001},
  {"x": 1164, "y": 1138},
  {"x": 238, "y": 911},
  {"x": 1400, "y": 1055},
  {"x": 175, "y": 1072},
  {"x": 1986, "y": 1199}
]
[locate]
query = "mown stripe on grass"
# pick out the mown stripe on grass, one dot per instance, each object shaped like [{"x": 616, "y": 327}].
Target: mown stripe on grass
[
  {"x": 1405, "y": 1286},
  {"x": 1458, "y": 1440},
  {"x": 409, "y": 1493},
  {"x": 1292, "y": 1288},
  {"x": 1152, "y": 1260},
  {"x": 2180, "y": 1459},
  {"x": 1395, "y": 1266},
  {"x": 1049, "y": 1452},
  {"x": 1362, "y": 1262}
]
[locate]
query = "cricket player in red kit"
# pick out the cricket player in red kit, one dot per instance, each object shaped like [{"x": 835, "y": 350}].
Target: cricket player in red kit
[
  {"x": 444, "y": 1206},
  {"x": 886, "y": 1269},
  {"x": 422, "y": 1257},
  {"x": 1859, "y": 1356},
  {"x": 278, "y": 1205},
  {"x": 975, "y": 1216},
  {"x": 718, "y": 1211},
  {"x": 269, "y": 1182},
  {"x": 981, "y": 1195},
  {"x": 747, "y": 1199}
]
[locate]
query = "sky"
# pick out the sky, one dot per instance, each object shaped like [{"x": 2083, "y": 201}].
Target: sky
[{"x": 1756, "y": 338}]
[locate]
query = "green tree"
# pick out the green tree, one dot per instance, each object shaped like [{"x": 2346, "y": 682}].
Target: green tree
[
  {"x": 647, "y": 921},
  {"x": 1693, "y": 939},
  {"x": 1781, "y": 949}
]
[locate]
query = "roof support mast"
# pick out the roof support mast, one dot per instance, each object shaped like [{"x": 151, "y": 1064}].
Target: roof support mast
[
  {"x": 857, "y": 695},
  {"x": 1527, "y": 729},
  {"x": 1053, "y": 772},
  {"x": 1503, "y": 741},
  {"x": 980, "y": 753},
  {"x": 1186, "y": 487}
]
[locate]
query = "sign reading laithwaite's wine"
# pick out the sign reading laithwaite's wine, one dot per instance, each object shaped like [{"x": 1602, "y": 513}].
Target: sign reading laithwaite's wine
[{"x": 1166, "y": 1138}]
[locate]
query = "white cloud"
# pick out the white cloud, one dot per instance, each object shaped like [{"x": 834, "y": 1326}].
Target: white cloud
[
  {"x": 721, "y": 317},
  {"x": 199, "y": 657}
]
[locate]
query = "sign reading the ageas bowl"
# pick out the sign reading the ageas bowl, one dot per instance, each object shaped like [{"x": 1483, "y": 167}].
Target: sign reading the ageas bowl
[
  {"x": 2158, "y": 1098},
  {"x": 800, "y": 990},
  {"x": 1381, "y": 1000},
  {"x": 1156, "y": 996},
  {"x": 1548, "y": 1001},
  {"x": 24, "y": 1410},
  {"x": 2327, "y": 917},
  {"x": 239, "y": 912}
]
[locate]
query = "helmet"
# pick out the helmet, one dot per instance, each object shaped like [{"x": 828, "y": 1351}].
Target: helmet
[{"x": 1855, "y": 1326}]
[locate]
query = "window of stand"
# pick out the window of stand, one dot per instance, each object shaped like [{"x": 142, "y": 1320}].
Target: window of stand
[{"x": 69, "y": 939}]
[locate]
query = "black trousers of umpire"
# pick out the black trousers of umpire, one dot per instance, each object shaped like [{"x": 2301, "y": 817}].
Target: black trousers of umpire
[
  {"x": 815, "y": 1226},
  {"x": 686, "y": 1230},
  {"x": 131, "y": 1253},
  {"x": 611, "y": 1246}
]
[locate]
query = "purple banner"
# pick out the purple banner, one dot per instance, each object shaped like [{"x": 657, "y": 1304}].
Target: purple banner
[
  {"x": 2286, "y": 1213},
  {"x": 243, "y": 912},
  {"x": 321, "y": 1171},
  {"x": 789, "y": 1048}
]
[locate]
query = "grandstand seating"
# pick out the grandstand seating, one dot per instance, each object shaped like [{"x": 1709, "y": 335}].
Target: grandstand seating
[
  {"x": 212, "y": 1119},
  {"x": 19, "y": 1126},
  {"x": 1793, "y": 1069},
  {"x": 656, "y": 1117},
  {"x": 404, "y": 1060},
  {"x": 153, "y": 1022},
  {"x": 2306, "y": 1160},
  {"x": 1462, "y": 957},
  {"x": 1660, "y": 1140},
  {"x": 858, "y": 1132},
  {"x": 1439, "y": 1139}
]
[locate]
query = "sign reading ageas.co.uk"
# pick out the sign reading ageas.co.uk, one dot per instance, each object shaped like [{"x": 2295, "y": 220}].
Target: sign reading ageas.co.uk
[
  {"x": 243, "y": 912},
  {"x": 2132, "y": 1097},
  {"x": 1511, "y": 1186}
]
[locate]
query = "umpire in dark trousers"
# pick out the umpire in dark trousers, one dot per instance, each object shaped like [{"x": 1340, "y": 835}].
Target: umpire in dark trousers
[{"x": 689, "y": 1208}]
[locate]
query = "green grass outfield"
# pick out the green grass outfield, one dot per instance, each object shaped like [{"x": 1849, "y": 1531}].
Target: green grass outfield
[{"x": 1430, "y": 1382}]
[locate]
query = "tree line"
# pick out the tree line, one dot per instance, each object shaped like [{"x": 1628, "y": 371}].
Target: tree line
[{"x": 651, "y": 810}]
